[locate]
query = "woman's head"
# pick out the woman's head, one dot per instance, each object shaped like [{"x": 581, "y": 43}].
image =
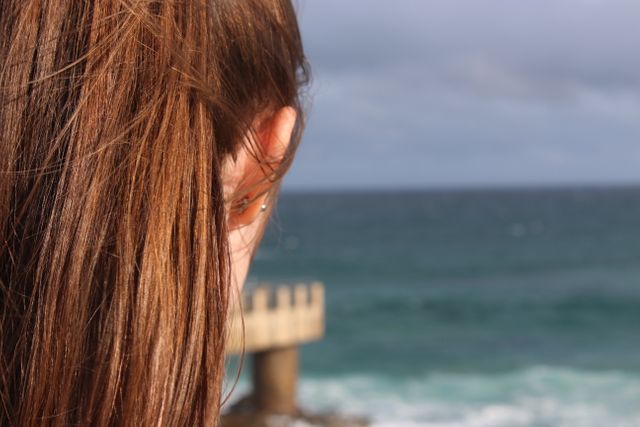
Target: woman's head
[{"x": 139, "y": 141}]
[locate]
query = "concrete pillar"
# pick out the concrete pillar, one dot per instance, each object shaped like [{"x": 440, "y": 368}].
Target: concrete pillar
[{"x": 275, "y": 379}]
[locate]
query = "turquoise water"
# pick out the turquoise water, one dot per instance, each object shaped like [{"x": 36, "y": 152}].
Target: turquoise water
[{"x": 469, "y": 308}]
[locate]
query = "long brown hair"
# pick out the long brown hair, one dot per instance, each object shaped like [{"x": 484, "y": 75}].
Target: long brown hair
[{"x": 115, "y": 119}]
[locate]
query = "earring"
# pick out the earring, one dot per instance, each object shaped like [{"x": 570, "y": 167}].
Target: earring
[{"x": 244, "y": 204}]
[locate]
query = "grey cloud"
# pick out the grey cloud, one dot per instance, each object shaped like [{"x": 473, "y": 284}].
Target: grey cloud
[
  {"x": 426, "y": 92},
  {"x": 590, "y": 42}
]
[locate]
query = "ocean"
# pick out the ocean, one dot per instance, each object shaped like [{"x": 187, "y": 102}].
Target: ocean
[{"x": 478, "y": 308}]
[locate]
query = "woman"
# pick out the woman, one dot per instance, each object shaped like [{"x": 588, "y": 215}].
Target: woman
[{"x": 141, "y": 147}]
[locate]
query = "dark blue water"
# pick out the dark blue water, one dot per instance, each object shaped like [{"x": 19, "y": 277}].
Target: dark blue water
[{"x": 460, "y": 306}]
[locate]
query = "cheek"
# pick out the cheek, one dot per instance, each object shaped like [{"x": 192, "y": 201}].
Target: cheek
[
  {"x": 240, "y": 261},
  {"x": 243, "y": 242}
]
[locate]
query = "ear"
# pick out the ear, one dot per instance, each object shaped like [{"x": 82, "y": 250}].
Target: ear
[{"x": 248, "y": 176}]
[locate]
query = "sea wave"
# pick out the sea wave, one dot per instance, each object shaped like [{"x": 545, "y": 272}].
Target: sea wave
[{"x": 533, "y": 397}]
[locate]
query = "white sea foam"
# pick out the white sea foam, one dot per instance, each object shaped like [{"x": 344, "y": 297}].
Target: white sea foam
[{"x": 535, "y": 397}]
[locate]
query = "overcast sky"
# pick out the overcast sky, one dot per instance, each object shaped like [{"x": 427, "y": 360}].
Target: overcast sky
[{"x": 424, "y": 93}]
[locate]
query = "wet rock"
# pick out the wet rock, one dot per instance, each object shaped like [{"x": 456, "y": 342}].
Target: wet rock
[
  {"x": 244, "y": 414},
  {"x": 302, "y": 420}
]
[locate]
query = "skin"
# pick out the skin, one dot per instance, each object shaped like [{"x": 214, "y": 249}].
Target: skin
[{"x": 245, "y": 172}]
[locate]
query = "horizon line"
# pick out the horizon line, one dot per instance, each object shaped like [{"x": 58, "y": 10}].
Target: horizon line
[{"x": 465, "y": 187}]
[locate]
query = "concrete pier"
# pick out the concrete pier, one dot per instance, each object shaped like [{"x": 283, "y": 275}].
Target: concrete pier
[
  {"x": 275, "y": 380},
  {"x": 276, "y": 321},
  {"x": 270, "y": 324},
  {"x": 274, "y": 317}
]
